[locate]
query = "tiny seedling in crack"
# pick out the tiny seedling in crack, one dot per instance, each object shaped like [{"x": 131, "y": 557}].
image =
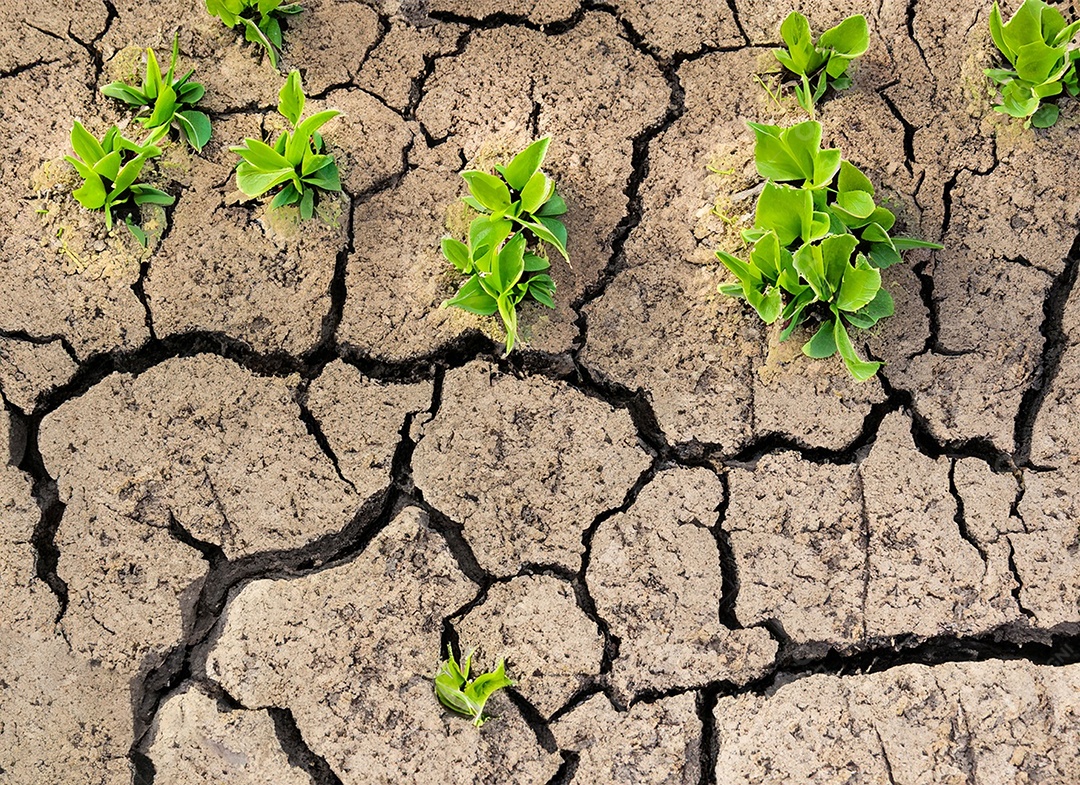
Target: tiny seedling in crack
[
  {"x": 467, "y": 697},
  {"x": 818, "y": 244},
  {"x": 110, "y": 168},
  {"x": 295, "y": 163},
  {"x": 165, "y": 101},
  {"x": 1038, "y": 43},
  {"x": 820, "y": 64},
  {"x": 262, "y": 20},
  {"x": 519, "y": 209}
]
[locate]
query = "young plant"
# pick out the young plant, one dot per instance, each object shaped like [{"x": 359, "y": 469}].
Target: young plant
[
  {"x": 1038, "y": 43},
  {"x": 462, "y": 696},
  {"x": 518, "y": 208},
  {"x": 162, "y": 100},
  {"x": 824, "y": 63},
  {"x": 818, "y": 244},
  {"x": 261, "y": 19},
  {"x": 295, "y": 163},
  {"x": 109, "y": 168}
]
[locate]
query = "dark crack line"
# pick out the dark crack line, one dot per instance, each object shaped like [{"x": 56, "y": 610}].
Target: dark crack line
[
  {"x": 568, "y": 769},
  {"x": 961, "y": 520},
  {"x": 884, "y": 756},
  {"x": 42, "y": 340},
  {"x": 297, "y": 751},
  {"x": 1055, "y": 342},
  {"x": 710, "y": 741},
  {"x": 1018, "y": 584},
  {"x": 21, "y": 69}
]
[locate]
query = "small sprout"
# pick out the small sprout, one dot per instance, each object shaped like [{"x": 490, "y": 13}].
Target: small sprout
[
  {"x": 825, "y": 60},
  {"x": 295, "y": 163},
  {"x": 1038, "y": 44},
  {"x": 262, "y": 20},
  {"x": 162, "y": 98},
  {"x": 464, "y": 697},
  {"x": 519, "y": 208},
  {"x": 109, "y": 168},
  {"x": 818, "y": 244}
]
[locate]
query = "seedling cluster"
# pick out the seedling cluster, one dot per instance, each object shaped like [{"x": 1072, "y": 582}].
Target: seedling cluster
[
  {"x": 262, "y": 20},
  {"x": 467, "y": 697},
  {"x": 820, "y": 64},
  {"x": 296, "y": 163},
  {"x": 519, "y": 209},
  {"x": 1038, "y": 45}
]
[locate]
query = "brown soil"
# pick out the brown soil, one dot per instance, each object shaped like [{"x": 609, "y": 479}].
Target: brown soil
[{"x": 255, "y": 479}]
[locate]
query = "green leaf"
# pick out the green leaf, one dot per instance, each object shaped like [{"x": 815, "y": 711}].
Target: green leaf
[
  {"x": 128, "y": 175},
  {"x": 195, "y": 127},
  {"x": 536, "y": 192},
  {"x": 301, "y": 138},
  {"x": 457, "y": 253},
  {"x": 768, "y": 304},
  {"x": 136, "y": 232},
  {"x": 144, "y": 194},
  {"x": 860, "y": 286},
  {"x": 488, "y": 190},
  {"x": 555, "y": 206},
  {"x": 327, "y": 178},
  {"x": 802, "y": 53},
  {"x": 109, "y": 166},
  {"x": 471, "y": 297},
  {"x": 307, "y": 204},
  {"x": 823, "y": 344},
  {"x": 997, "y": 33},
  {"x": 850, "y": 38},
  {"x": 836, "y": 251},
  {"x": 542, "y": 289},
  {"x": 286, "y": 196},
  {"x": 785, "y": 210},
  {"x": 85, "y": 145},
  {"x": 857, "y": 367},
  {"x": 857, "y": 203},
  {"x": 255, "y": 182},
  {"x": 852, "y": 179},
  {"x": 883, "y": 255},
  {"x": 808, "y": 262},
  {"x": 1045, "y": 116},
  {"x": 190, "y": 93},
  {"x": 909, "y": 243},
  {"x": 291, "y": 98},
  {"x": 262, "y": 156},
  {"x": 255, "y": 35},
  {"x": 91, "y": 194},
  {"x": 526, "y": 164},
  {"x": 510, "y": 264},
  {"x": 164, "y": 107},
  {"x": 153, "y": 83},
  {"x": 132, "y": 96}
]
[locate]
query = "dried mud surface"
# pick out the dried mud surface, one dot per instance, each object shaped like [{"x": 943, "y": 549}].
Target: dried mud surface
[{"x": 254, "y": 481}]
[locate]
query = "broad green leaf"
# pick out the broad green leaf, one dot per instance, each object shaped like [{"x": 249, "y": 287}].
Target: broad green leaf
[
  {"x": 294, "y": 148},
  {"x": 91, "y": 194},
  {"x": 109, "y": 166},
  {"x": 471, "y": 297},
  {"x": 852, "y": 179},
  {"x": 536, "y": 192},
  {"x": 558, "y": 229},
  {"x": 883, "y": 255},
  {"x": 826, "y": 165},
  {"x": 164, "y": 107},
  {"x": 485, "y": 685},
  {"x": 860, "y": 286},
  {"x": 85, "y": 145},
  {"x": 542, "y": 288},
  {"x": 881, "y": 307},
  {"x": 808, "y": 262},
  {"x": 525, "y": 164},
  {"x": 488, "y": 190},
  {"x": 1045, "y": 116},
  {"x": 823, "y": 344},
  {"x": 128, "y": 175},
  {"x": 850, "y": 38},
  {"x": 255, "y": 182},
  {"x": 857, "y": 367},
  {"x": 126, "y": 93},
  {"x": 554, "y": 207},
  {"x": 144, "y": 194},
  {"x": 307, "y": 203},
  {"x": 313, "y": 162},
  {"x": 286, "y": 196},
  {"x": 534, "y": 263},
  {"x": 327, "y": 178},
  {"x": 836, "y": 251},
  {"x": 997, "y": 33},
  {"x": 795, "y": 31},
  {"x": 785, "y": 210},
  {"x": 255, "y": 35},
  {"x": 765, "y": 256},
  {"x": 195, "y": 127},
  {"x": 291, "y": 98},
  {"x": 190, "y": 93},
  {"x": 768, "y": 304},
  {"x": 262, "y": 156},
  {"x": 857, "y": 203},
  {"x": 457, "y": 253},
  {"x": 511, "y": 263}
]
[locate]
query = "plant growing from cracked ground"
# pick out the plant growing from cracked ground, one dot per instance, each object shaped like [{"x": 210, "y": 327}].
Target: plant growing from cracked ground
[
  {"x": 519, "y": 209},
  {"x": 465, "y": 696},
  {"x": 296, "y": 162},
  {"x": 825, "y": 60},
  {"x": 262, "y": 20},
  {"x": 818, "y": 244}
]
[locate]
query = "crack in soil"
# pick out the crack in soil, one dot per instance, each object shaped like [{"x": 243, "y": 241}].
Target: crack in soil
[{"x": 299, "y": 754}]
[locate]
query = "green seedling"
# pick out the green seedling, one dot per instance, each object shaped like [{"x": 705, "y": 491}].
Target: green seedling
[
  {"x": 1038, "y": 43},
  {"x": 518, "y": 208},
  {"x": 262, "y": 20},
  {"x": 296, "y": 162},
  {"x": 162, "y": 99},
  {"x": 109, "y": 168},
  {"x": 456, "y": 692},
  {"x": 818, "y": 244},
  {"x": 824, "y": 63}
]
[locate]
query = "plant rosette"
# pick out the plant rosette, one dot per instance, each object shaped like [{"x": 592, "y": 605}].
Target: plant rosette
[
  {"x": 465, "y": 696},
  {"x": 263, "y": 21},
  {"x": 1039, "y": 45},
  {"x": 296, "y": 167},
  {"x": 817, "y": 246},
  {"x": 519, "y": 208},
  {"x": 823, "y": 63}
]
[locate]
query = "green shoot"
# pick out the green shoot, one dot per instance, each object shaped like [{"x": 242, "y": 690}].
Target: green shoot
[
  {"x": 818, "y": 244},
  {"x": 1038, "y": 44},
  {"x": 456, "y": 692},
  {"x": 262, "y": 20},
  {"x": 110, "y": 168},
  {"x": 296, "y": 163},
  {"x": 519, "y": 208},
  {"x": 162, "y": 100},
  {"x": 820, "y": 64}
]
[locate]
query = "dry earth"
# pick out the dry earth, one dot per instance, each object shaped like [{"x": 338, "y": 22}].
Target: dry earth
[{"x": 255, "y": 480}]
